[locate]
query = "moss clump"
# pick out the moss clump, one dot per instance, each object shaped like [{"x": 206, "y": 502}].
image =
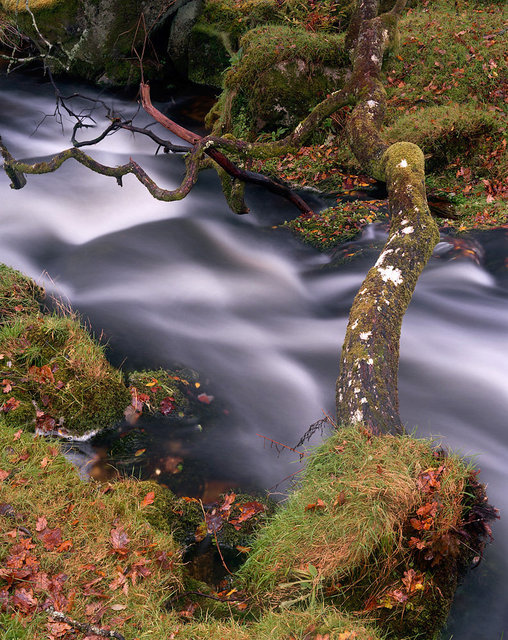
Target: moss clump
[
  {"x": 51, "y": 363},
  {"x": 443, "y": 132},
  {"x": 334, "y": 225},
  {"x": 18, "y": 294},
  {"x": 210, "y": 52},
  {"x": 162, "y": 391},
  {"x": 377, "y": 525},
  {"x": 281, "y": 73}
]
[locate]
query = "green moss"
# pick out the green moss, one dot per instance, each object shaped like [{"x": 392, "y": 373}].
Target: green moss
[
  {"x": 281, "y": 74},
  {"x": 339, "y": 534},
  {"x": 18, "y": 294},
  {"x": 210, "y": 51},
  {"x": 54, "y": 366},
  {"x": 443, "y": 132}
]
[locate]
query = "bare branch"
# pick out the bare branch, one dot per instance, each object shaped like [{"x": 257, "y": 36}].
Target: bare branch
[
  {"x": 15, "y": 170},
  {"x": 82, "y": 626}
]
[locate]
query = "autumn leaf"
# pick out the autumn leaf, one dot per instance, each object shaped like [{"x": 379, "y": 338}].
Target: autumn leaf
[
  {"x": 51, "y": 538},
  {"x": 166, "y": 405},
  {"x": 7, "y": 386},
  {"x": 3, "y": 475},
  {"x": 148, "y": 499},
  {"x": 65, "y": 546},
  {"x": 10, "y": 405},
  {"x": 23, "y": 599},
  {"x": 247, "y": 511},
  {"x": 319, "y": 504},
  {"x": 17, "y": 435},
  {"x": 339, "y": 500},
  {"x": 41, "y": 524},
  {"x": 119, "y": 540},
  {"x": 205, "y": 398}
]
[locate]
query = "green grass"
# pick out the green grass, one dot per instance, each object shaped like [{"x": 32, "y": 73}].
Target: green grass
[{"x": 342, "y": 533}]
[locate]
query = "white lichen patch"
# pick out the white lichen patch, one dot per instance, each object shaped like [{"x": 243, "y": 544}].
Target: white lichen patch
[
  {"x": 371, "y": 104},
  {"x": 390, "y": 274},
  {"x": 366, "y": 335},
  {"x": 363, "y": 400},
  {"x": 357, "y": 390},
  {"x": 354, "y": 326},
  {"x": 408, "y": 230},
  {"x": 383, "y": 256},
  {"x": 370, "y": 361},
  {"x": 402, "y": 163},
  {"x": 404, "y": 221},
  {"x": 374, "y": 59},
  {"x": 358, "y": 416}
]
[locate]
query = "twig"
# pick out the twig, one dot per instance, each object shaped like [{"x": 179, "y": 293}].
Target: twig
[
  {"x": 276, "y": 445},
  {"x": 202, "y": 595},
  {"x": 216, "y": 542},
  {"x": 83, "y": 626}
]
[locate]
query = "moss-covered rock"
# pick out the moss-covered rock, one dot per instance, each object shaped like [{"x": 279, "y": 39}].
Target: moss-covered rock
[
  {"x": 282, "y": 72},
  {"x": 381, "y": 525},
  {"x": 210, "y": 53},
  {"x": 57, "y": 377},
  {"x": 92, "y": 39},
  {"x": 18, "y": 294}
]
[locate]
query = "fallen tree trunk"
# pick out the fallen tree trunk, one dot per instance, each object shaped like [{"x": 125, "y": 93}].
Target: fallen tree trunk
[{"x": 366, "y": 390}]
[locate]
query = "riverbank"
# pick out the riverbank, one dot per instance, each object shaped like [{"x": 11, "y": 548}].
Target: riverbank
[{"x": 399, "y": 523}]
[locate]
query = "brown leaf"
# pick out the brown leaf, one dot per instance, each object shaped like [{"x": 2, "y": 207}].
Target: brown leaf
[
  {"x": 7, "y": 386},
  {"x": 148, "y": 499},
  {"x": 4, "y": 475},
  {"x": 319, "y": 504},
  {"x": 41, "y": 524},
  {"x": 10, "y": 405},
  {"x": 23, "y": 599},
  {"x": 51, "y": 538},
  {"x": 119, "y": 540},
  {"x": 340, "y": 499},
  {"x": 17, "y": 435}
]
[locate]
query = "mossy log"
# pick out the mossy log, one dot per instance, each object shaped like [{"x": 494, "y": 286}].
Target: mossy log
[{"x": 366, "y": 391}]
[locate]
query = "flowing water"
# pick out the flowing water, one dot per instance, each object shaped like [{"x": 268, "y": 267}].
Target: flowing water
[{"x": 259, "y": 316}]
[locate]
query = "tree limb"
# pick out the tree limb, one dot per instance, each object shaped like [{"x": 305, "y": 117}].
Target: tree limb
[
  {"x": 83, "y": 627},
  {"x": 15, "y": 170},
  {"x": 366, "y": 390}
]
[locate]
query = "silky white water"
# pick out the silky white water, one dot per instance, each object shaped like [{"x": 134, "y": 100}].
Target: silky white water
[{"x": 259, "y": 315}]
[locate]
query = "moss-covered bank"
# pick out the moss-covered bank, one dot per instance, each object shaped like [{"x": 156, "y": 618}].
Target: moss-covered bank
[
  {"x": 381, "y": 527},
  {"x": 56, "y": 377}
]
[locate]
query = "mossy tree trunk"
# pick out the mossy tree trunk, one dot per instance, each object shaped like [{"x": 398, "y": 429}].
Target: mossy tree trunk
[{"x": 366, "y": 391}]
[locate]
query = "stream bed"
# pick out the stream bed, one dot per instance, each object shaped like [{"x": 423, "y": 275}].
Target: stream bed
[{"x": 259, "y": 315}]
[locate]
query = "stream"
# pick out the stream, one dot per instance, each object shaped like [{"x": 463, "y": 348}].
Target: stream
[{"x": 259, "y": 315}]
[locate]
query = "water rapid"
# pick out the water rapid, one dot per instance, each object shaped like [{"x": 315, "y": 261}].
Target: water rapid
[{"x": 260, "y": 316}]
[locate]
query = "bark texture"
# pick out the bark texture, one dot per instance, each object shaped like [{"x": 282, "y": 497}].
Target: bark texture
[{"x": 366, "y": 391}]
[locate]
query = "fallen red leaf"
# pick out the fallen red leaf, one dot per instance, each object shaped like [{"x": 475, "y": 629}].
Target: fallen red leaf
[
  {"x": 167, "y": 405},
  {"x": 119, "y": 540},
  {"x": 4, "y": 474},
  {"x": 205, "y": 398},
  {"x": 319, "y": 504},
  {"x": 148, "y": 499},
  {"x": 51, "y": 538}
]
